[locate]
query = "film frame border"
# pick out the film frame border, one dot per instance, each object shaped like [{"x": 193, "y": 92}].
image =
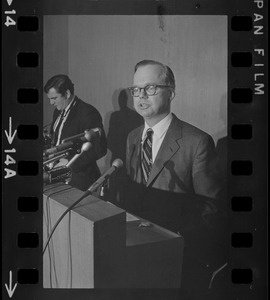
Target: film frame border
[{"x": 21, "y": 150}]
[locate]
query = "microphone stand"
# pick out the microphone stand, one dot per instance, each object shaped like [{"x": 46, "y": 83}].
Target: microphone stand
[{"x": 104, "y": 188}]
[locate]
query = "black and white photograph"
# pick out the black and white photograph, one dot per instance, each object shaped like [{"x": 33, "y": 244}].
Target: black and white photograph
[
  {"x": 108, "y": 81},
  {"x": 134, "y": 149}
]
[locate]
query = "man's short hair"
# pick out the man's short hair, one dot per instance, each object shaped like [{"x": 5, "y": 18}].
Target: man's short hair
[
  {"x": 167, "y": 71},
  {"x": 61, "y": 83}
]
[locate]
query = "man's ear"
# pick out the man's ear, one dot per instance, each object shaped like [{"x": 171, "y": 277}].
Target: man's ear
[
  {"x": 172, "y": 95},
  {"x": 68, "y": 94}
]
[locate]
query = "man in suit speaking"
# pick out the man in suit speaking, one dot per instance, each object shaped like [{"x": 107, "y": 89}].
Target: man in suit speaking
[
  {"x": 71, "y": 117},
  {"x": 172, "y": 171}
]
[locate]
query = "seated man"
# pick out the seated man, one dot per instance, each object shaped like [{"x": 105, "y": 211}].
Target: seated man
[{"x": 72, "y": 116}]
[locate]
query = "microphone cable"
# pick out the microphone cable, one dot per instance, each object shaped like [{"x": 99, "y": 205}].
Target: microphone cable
[
  {"x": 62, "y": 216},
  {"x": 116, "y": 164}
]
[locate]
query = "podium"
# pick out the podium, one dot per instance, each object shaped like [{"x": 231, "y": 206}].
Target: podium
[{"x": 99, "y": 245}]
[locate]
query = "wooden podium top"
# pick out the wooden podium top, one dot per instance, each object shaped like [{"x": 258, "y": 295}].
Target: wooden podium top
[{"x": 91, "y": 207}]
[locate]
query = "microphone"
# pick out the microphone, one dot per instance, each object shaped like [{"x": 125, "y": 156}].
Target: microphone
[
  {"x": 63, "y": 173},
  {"x": 86, "y": 136},
  {"x": 72, "y": 163},
  {"x": 52, "y": 157},
  {"x": 116, "y": 165},
  {"x": 58, "y": 174}
]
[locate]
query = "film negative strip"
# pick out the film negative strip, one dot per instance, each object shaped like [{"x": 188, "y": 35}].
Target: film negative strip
[{"x": 218, "y": 52}]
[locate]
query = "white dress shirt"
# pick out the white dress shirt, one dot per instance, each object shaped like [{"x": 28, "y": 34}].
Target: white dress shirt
[{"x": 160, "y": 130}]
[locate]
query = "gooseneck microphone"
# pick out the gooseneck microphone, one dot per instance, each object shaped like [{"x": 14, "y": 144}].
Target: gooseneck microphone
[
  {"x": 72, "y": 163},
  {"x": 117, "y": 164},
  {"x": 88, "y": 135}
]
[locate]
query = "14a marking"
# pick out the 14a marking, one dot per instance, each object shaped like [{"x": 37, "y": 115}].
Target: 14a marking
[{"x": 9, "y": 160}]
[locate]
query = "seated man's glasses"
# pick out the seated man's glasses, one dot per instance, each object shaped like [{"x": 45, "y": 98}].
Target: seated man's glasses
[{"x": 150, "y": 90}]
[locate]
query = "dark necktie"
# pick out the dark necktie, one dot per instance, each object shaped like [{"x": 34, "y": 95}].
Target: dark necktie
[
  {"x": 147, "y": 154},
  {"x": 56, "y": 130}
]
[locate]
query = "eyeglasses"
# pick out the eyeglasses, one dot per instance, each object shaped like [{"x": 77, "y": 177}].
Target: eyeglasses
[{"x": 150, "y": 90}]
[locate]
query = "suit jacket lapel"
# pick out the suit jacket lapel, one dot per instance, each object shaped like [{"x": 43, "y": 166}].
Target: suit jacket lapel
[
  {"x": 168, "y": 148},
  {"x": 136, "y": 152}
]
